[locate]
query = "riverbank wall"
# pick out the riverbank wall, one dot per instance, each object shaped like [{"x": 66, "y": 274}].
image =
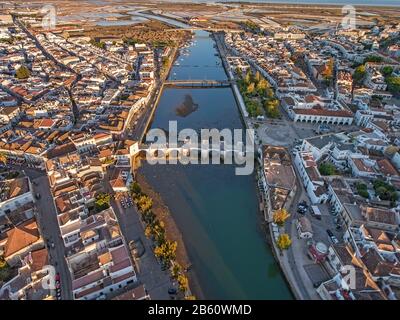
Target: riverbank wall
[
  {"x": 279, "y": 256},
  {"x": 235, "y": 89},
  {"x": 159, "y": 93}
]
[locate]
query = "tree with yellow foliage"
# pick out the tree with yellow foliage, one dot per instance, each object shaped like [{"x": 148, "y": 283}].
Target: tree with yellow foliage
[
  {"x": 144, "y": 203},
  {"x": 284, "y": 241},
  {"x": 192, "y": 297},
  {"x": 176, "y": 270},
  {"x": 147, "y": 232},
  {"x": 280, "y": 216},
  {"x": 166, "y": 251},
  {"x": 183, "y": 282},
  {"x": 3, "y": 158}
]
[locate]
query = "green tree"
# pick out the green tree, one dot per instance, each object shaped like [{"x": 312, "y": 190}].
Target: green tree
[
  {"x": 327, "y": 169},
  {"x": 393, "y": 84},
  {"x": 253, "y": 107},
  {"x": 387, "y": 71},
  {"x": 359, "y": 74},
  {"x": 102, "y": 201},
  {"x": 384, "y": 190},
  {"x": 5, "y": 270},
  {"x": 135, "y": 189},
  {"x": 272, "y": 108},
  {"x": 22, "y": 73},
  {"x": 362, "y": 190}
]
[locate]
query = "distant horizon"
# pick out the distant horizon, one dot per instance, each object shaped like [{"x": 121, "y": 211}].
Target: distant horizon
[{"x": 382, "y": 3}]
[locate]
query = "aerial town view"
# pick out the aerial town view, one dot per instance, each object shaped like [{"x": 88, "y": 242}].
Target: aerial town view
[{"x": 199, "y": 150}]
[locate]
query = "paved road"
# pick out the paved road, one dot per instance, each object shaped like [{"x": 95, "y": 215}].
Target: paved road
[
  {"x": 156, "y": 281},
  {"x": 299, "y": 196},
  {"x": 47, "y": 220}
]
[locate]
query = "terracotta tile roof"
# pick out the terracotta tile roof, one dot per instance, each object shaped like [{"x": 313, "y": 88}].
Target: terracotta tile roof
[
  {"x": 21, "y": 236},
  {"x": 46, "y": 123},
  {"x": 387, "y": 168},
  {"x": 40, "y": 258},
  {"x": 324, "y": 112}
]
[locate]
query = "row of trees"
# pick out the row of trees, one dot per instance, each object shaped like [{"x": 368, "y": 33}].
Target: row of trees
[
  {"x": 280, "y": 217},
  {"x": 165, "y": 249},
  {"x": 258, "y": 94}
]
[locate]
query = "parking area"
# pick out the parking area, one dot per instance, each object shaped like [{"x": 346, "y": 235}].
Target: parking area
[
  {"x": 323, "y": 222},
  {"x": 327, "y": 221},
  {"x": 124, "y": 199}
]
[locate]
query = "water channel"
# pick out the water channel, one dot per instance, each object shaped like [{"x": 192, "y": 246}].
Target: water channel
[{"x": 216, "y": 211}]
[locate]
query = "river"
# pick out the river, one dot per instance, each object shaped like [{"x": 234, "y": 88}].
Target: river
[{"x": 216, "y": 211}]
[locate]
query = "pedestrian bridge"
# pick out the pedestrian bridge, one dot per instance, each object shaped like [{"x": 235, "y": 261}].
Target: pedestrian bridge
[{"x": 198, "y": 83}]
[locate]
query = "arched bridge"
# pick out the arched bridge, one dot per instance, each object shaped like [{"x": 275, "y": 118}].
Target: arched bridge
[
  {"x": 188, "y": 149},
  {"x": 198, "y": 83}
]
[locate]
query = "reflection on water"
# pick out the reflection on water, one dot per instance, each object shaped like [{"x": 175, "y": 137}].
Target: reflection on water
[
  {"x": 186, "y": 107},
  {"x": 216, "y": 211}
]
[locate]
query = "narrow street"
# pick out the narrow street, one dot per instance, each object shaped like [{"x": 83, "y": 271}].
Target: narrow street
[
  {"x": 48, "y": 223},
  {"x": 294, "y": 268}
]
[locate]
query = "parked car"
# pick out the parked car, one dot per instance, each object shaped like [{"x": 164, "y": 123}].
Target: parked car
[
  {"x": 334, "y": 240},
  {"x": 301, "y": 210},
  {"x": 172, "y": 291},
  {"x": 332, "y": 237},
  {"x": 303, "y": 204}
]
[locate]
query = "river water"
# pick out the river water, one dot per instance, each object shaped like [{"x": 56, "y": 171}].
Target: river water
[{"x": 216, "y": 211}]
